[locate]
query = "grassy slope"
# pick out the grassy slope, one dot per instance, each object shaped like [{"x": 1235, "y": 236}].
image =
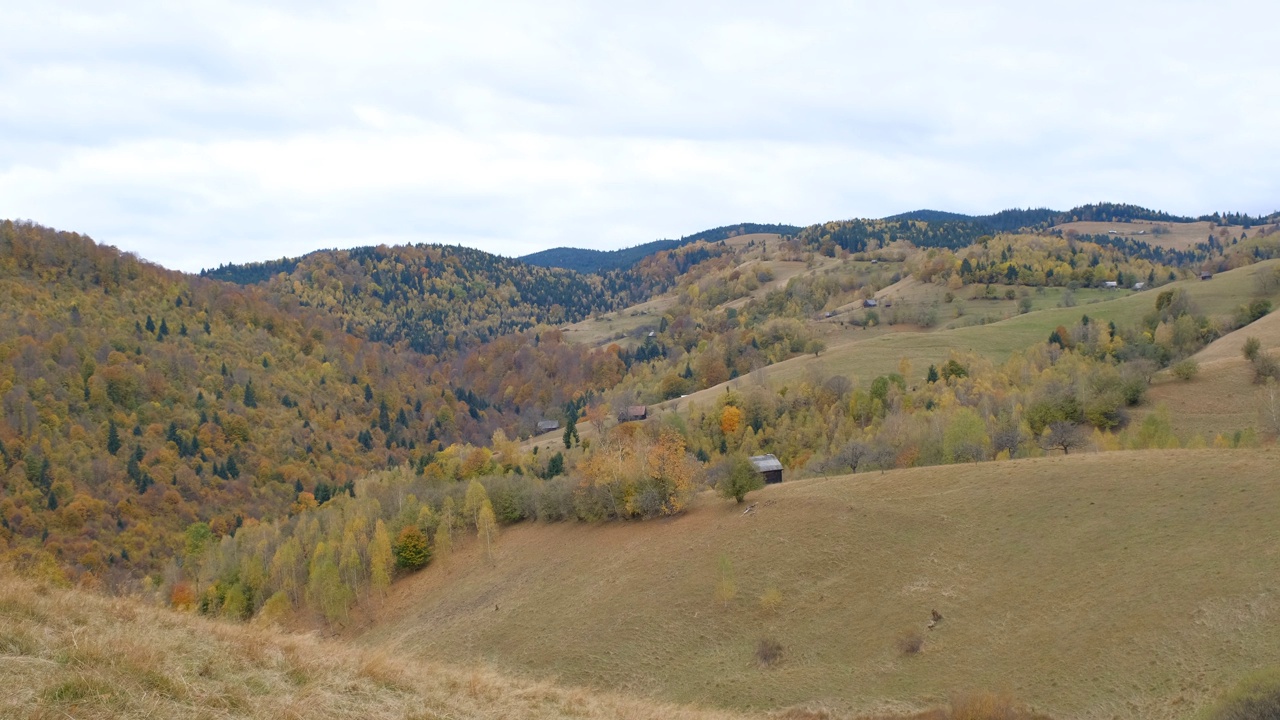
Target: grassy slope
[
  {"x": 69, "y": 654},
  {"x": 1127, "y": 585},
  {"x": 1181, "y": 236},
  {"x": 1223, "y": 397}
]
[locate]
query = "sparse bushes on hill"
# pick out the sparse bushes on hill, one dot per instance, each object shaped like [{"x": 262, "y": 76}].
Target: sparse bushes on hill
[
  {"x": 1186, "y": 369},
  {"x": 1264, "y": 365}
]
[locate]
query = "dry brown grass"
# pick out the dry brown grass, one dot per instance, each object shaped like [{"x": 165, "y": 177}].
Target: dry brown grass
[
  {"x": 1115, "y": 585},
  {"x": 71, "y": 654},
  {"x": 1231, "y": 345}
]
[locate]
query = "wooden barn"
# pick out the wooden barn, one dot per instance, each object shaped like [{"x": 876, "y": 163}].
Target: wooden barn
[
  {"x": 547, "y": 426},
  {"x": 768, "y": 466},
  {"x": 634, "y": 412}
]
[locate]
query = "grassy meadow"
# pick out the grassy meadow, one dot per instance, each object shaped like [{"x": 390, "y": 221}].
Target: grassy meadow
[{"x": 1115, "y": 585}]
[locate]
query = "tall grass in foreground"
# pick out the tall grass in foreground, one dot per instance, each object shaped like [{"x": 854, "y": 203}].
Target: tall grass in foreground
[{"x": 69, "y": 653}]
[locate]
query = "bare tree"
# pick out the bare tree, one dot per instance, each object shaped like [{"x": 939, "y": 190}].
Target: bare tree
[
  {"x": 850, "y": 456},
  {"x": 1064, "y": 435},
  {"x": 1006, "y": 435}
]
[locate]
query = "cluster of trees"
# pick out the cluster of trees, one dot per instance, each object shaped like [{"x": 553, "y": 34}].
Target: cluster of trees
[
  {"x": 327, "y": 557},
  {"x": 1043, "y": 260},
  {"x": 859, "y": 235}
]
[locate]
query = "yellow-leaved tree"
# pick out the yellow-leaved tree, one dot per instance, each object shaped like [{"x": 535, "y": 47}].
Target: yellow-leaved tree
[
  {"x": 380, "y": 560},
  {"x": 487, "y": 528}
]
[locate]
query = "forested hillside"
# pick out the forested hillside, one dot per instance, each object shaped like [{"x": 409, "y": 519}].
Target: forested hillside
[
  {"x": 1042, "y": 218},
  {"x": 443, "y": 299},
  {"x": 137, "y": 401},
  {"x": 596, "y": 261}
]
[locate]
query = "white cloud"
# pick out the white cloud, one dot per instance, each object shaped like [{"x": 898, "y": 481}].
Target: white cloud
[{"x": 213, "y": 132}]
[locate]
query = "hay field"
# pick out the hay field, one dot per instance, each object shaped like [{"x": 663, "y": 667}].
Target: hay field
[{"x": 1118, "y": 585}]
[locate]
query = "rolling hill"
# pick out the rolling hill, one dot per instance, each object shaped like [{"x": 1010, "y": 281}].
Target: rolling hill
[{"x": 1115, "y": 585}]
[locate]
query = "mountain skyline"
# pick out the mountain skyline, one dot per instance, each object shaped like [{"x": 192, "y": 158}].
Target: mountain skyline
[{"x": 240, "y": 133}]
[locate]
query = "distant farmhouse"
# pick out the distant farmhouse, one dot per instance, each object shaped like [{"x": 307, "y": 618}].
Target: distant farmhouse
[
  {"x": 547, "y": 426},
  {"x": 633, "y": 412},
  {"x": 1206, "y": 275},
  {"x": 769, "y": 467}
]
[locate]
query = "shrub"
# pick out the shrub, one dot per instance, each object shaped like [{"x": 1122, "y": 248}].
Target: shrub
[
  {"x": 1265, "y": 366},
  {"x": 1255, "y": 698},
  {"x": 768, "y": 652},
  {"x": 771, "y": 600},
  {"x": 1252, "y": 346},
  {"x": 910, "y": 642},
  {"x": 1186, "y": 369},
  {"x": 1246, "y": 314}
]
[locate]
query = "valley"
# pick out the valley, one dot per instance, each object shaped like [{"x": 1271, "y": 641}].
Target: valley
[{"x": 1057, "y": 439}]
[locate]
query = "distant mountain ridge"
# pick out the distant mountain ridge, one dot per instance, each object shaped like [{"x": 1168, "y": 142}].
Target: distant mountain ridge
[
  {"x": 1036, "y": 218},
  {"x": 596, "y": 261}
]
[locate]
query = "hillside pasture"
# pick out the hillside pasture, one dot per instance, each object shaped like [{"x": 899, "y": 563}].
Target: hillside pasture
[
  {"x": 862, "y": 357},
  {"x": 1172, "y": 235},
  {"x": 1117, "y": 585},
  {"x": 1222, "y": 398}
]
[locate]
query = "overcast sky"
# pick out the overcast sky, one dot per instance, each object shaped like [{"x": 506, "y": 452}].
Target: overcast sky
[{"x": 198, "y": 133}]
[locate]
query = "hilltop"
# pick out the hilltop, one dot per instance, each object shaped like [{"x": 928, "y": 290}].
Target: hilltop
[
  {"x": 1116, "y": 585},
  {"x": 597, "y": 261}
]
